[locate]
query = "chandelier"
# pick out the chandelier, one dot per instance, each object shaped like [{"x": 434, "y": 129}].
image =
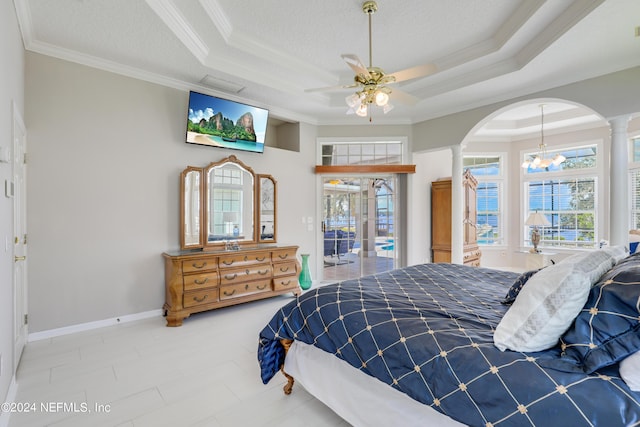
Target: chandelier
[{"x": 540, "y": 160}]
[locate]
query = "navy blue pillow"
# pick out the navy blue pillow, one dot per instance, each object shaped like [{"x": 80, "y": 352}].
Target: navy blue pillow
[
  {"x": 515, "y": 289},
  {"x": 608, "y": 328}
]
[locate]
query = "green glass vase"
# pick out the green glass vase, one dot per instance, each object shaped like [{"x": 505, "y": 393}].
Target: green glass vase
[{"x": 305, "y": 275}]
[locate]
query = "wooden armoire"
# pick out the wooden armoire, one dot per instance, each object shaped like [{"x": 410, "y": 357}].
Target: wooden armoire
[{"x": 441, "y": 220}]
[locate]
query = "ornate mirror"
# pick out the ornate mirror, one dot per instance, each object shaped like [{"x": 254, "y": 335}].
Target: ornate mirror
[
  {"x": 191, "y": 212},
  {"x": 266, "y": 208},
  {"x": 225, "y": 201},
  {"x": 229, "y": 202}
]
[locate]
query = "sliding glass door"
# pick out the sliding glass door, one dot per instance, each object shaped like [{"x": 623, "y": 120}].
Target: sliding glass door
[{"x": 359, "y": 226}]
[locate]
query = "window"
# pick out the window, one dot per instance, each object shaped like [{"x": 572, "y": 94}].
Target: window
[
  {"x": 634, "y": 183},
  {"x": 227, "y": 201},
  {"x": 368, "y": 153},
  {"x": 635, "y": 147},
  {"x": 488, "y": 171},
  {"x": 567, "y": 195}
]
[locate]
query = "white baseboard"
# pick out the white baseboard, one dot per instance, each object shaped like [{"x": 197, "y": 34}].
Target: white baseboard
[
  {"x": 11, "y": 397},
  {"x": 42, "y": 335}
]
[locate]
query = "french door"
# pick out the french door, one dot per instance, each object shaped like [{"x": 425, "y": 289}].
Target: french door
[{"x": 359, "y": 226}]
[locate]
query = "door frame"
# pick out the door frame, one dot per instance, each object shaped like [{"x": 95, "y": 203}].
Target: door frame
[{"x": 20, "y": 283}]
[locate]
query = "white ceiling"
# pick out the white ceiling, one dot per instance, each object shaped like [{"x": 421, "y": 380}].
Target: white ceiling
[{"x": 267, "y": 53}]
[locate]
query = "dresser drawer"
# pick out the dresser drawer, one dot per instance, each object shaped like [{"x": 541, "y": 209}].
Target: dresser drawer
[
  {"x": 285, "y": 254},
  {"x": 241, "y": 259},
  {"x": 285, "y": 282},
  {"x": 230, "y": 276},
  {"x": 203, "y": 297},
  {"x": 194, "y": 282},
  {"x": 240, "y": 289},
  {"x": 286, "y": 268},
  {"x": 199, "y": 264}
]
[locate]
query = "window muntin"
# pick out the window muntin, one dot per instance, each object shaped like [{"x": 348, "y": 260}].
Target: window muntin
[
  {"x": 367, "y": 153},
  {"x": 488, "y": 171},
  {"x": 569, "y": 204}
]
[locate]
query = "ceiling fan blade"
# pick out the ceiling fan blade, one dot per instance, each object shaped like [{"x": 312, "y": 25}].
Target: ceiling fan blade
[
  {"x": 356, "y": 65},
  {"x": 414, "y": 72},
  {"x": 332, "y": 88},
  {"x": 402, "y": 97}
]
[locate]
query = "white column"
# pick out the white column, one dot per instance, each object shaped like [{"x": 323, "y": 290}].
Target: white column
[
  {"x": 457, "y": 206},
  {"x": 619, "y": 210}
]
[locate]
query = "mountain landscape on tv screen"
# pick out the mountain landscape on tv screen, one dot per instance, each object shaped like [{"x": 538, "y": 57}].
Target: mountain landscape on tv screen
[{"x": 225, "y": 128}]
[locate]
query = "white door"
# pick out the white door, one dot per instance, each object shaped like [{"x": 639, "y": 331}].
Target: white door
[{"x": 19, "y": 236}]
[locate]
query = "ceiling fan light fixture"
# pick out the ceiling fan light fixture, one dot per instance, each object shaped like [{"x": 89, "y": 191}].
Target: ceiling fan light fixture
[
  {"x": 381, "y": 98},
  {"x": 353, "y": 100},
  {"x": 362, "y": 110},
  {"x": 387, "y": 107}
]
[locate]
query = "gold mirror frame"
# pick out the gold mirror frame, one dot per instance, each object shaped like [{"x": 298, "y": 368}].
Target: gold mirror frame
[
  {"x": 195, "y": 200},
  {"x": 266, "y": 205}
]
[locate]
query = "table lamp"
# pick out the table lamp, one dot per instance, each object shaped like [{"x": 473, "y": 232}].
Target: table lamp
[{"x": 536, "y": 219}]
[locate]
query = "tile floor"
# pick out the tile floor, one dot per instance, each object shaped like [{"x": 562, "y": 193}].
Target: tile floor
[{"x": 142, "y": 373}]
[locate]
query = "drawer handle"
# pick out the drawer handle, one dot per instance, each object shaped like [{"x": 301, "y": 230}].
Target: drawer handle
[
  {"x": 203, "y": 265},
  {"x": 201, "y": 282},
  {"x": 246, "y": 287},
  {"x": 233, "y": 276},
  {"x": 261, "y": 287},
  {"x": 284, "y": 269},
  {"x": 227, "y": 262},
  {"x": 229, "y": 294},
  {"x": 285, "y": 256},
  {"x": 260, "y": 259},
  {"x": 196, "y": 299},
  {"x": 262, "y": 273},
  {"x": 246, "y": 258},
  {"x": 285, "y": 284}
]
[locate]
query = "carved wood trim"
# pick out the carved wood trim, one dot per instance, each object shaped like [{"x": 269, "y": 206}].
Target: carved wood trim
[{"x": 286, "y": 343}]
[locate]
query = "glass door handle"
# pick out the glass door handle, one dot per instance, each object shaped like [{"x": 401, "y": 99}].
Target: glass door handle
[{"x": 19, "y": 258}]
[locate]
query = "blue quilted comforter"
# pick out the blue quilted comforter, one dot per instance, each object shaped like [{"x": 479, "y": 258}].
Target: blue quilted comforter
[{"x": 427, "y": 331}]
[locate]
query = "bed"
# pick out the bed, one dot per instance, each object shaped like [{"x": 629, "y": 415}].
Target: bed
[{"x": 438, "y": 344}]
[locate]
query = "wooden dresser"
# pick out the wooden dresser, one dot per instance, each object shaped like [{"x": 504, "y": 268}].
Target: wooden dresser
[
  {"x": 441, "y": 221},
  {"x": 205, "y": 280}
]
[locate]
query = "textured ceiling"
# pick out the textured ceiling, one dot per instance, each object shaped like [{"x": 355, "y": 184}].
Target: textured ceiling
[{"x": 268, "y": 53}]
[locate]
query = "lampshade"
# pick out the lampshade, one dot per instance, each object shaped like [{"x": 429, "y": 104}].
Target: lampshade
[{"x": 537, "y": 219}]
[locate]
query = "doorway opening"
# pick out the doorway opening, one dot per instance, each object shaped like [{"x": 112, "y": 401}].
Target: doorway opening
[{"x": 359, "y": 226}]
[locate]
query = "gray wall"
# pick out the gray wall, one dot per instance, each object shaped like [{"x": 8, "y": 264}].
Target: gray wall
[
  {"x": 106, "y": 152},
  {"x": 11, "y": 91}
]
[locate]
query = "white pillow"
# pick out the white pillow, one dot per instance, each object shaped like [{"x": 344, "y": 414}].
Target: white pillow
[
  {"x": 553, "y": 297},
  {"x": 630, "y": 371},
  {"x": 543, "y": 310}
]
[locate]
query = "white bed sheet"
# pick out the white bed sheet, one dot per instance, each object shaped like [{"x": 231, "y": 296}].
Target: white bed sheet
[{"x": 359, "y": 399}]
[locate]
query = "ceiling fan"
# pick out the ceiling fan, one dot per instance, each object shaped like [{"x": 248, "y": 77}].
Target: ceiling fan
[{"x": 371, "y": 82}]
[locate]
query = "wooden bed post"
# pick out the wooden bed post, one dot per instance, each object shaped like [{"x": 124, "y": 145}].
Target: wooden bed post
[{"x": 289, "y": 385}]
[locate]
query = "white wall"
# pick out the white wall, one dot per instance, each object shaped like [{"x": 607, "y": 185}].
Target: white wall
[
  {"x": 11, "y": 91},
  {"x": 105, "y": 156}
]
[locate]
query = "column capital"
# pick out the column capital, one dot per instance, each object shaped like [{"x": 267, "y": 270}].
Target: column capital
[{"x": 618, "y": 122}]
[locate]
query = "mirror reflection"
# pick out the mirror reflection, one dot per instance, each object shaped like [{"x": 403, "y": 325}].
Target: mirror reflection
[
  {"x": 191, "y": 182},
  {"x": 226, "y": 202},
  {"x": 229, "y": 203},
  {"x": 267, "y": 220}
]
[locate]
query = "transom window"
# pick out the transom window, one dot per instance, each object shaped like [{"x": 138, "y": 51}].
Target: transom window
[{"x": 369, "y": 153}]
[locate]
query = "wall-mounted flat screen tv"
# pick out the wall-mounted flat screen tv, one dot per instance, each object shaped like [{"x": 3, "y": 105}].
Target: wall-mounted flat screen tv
[{"x": 223, "y": 123}]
